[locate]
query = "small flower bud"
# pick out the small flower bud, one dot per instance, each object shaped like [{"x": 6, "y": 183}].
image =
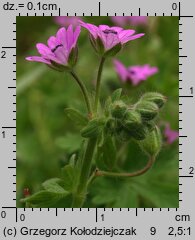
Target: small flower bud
[
  {"x": 152, "y": 143},
  {"x": 93, "y": 128},
  {"x": 132, "y": 118},
  {"x": 155, "y": 97},
  {"x": 148, "y": 110},
  {"x": 119, "y": 109}
]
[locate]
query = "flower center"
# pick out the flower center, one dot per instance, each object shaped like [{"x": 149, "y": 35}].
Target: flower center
[
  {"x": 131, "y": 71},
  {"x": 107, "y": 31},
  {"x": 56, "y": 47}
]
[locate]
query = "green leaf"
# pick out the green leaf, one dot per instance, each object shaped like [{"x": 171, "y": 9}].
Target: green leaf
[
  {"x": 53, "y": 185},
  {"x": 116, "y": 95},
  {"x": 106, "y": 154},
  {"x": 114, "y": 193},
  {"x": 76, "y": 116},
  {"x": 45, "y": 198},
  {"x": 161, "y": 194},
  {"x": 69, "y": 175}
]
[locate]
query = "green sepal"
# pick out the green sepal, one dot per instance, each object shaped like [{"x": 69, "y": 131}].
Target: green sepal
[
  {"x": 113, "y": 51},
  {"x": 93, "y": 128},
  {"x": 73, "y": 57},
  {"x": 76, "y": 116},
  {"x": 116, "y": 95}
]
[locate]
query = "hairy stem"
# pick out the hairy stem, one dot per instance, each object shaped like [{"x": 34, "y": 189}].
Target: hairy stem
[
  {"x": 98, "y": 83},
  {"x": 84, "y": 91},
  {"x": 133, "y": 174},
  {"x": 81, "y": 191}
]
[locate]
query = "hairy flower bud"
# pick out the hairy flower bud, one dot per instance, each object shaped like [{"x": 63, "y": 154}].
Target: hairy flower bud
[
  {"x": 152, "y": 143},
  {"x": 148, "y": 110},
  {"x": 155, "y": 97},
  {"x": 119, "y": 109},
  {"x": 93, "y": 128},
  {"x": 132, "y": 121}
]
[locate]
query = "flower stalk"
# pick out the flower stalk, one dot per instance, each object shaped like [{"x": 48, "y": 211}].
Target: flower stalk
[
  {"x": 81, "y": 191},
  {"x": 98, "y": 83},
  {"x": 133, "y": 174},
  {"x": 84, "y": 91}
]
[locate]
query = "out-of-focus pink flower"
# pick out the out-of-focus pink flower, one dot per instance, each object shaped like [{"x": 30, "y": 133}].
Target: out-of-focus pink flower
[
  {"x": 66, "y": 21},
  {"x": 125, "y": 20},
  {"x": 57, "y": 54},
  {"x": 135, "y": 74},
  {"x": 108, "y": 38},
  {"x": 170, "y": 135},
  {"x": 138, "y": 20}
]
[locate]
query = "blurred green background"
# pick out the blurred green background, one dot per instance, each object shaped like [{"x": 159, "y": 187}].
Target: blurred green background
[{"x": 46, "y": 138}]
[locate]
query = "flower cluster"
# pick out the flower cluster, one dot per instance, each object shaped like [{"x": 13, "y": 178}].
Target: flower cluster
[{"x": 61, "y": 51}]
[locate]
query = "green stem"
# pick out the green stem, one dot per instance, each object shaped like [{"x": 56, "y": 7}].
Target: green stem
[
  {"x": 84, "y": 91},
  {"x": 81, "y": 191},
  {"x": 134, "y": 174},
  {"x": 97, "y": 92}
]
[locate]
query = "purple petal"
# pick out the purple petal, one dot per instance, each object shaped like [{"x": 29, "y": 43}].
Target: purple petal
[
  {"x": 69, "y": 37},
  {"x": 91, "y": 28},
  {"x": 117, "y": 29},
  {"x": 43, "y": 49},
  {"x": 76, "y": 35},
  {"x": 126, "y": 33},
  {"x": 130, "y": 38},
  {"x": 103, "y": 27},
  {"x": 52, "y": 42},
  {"x": 37, "y": 59},
  {"x": 60, "y": 36},
  {"x": 121, "y": 70},
  {"x": 171, "y": 135},
  {"x": 61, "y": 55}
]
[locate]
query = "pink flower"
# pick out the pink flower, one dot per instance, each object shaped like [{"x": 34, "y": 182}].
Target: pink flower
[
  {"x": 66, "y": 21},
  {"x": 138, "y": 20},
  {"x": 170, "y": 135},
  {"x": 123, "y": 21},
  {"x": 61, "y": 50},
  {"x": 135, "y": 74},
  {"x": 105, "y": 38}
]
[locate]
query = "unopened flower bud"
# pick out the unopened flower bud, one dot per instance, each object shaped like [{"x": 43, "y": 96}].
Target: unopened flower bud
[
  {"x": 93, "y": 128},
  {"x": 148, "y": 110},
  {"x": 152, "y": 143},
  {"x": 155, "y": 97},
  {"x": 132, "y": 118},
  {"x": 119, "y": 109}
]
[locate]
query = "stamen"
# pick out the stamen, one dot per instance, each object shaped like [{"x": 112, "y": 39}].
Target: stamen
[
  {"x": 56, "y": 47},
  {"x": 107, "y": 31}
]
